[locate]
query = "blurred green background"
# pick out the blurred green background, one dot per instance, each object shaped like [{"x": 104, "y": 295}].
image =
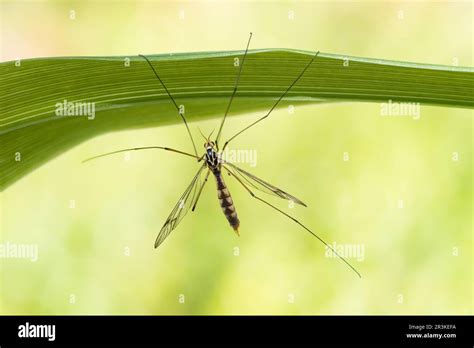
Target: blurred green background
[{"x": 98, "y": 257}]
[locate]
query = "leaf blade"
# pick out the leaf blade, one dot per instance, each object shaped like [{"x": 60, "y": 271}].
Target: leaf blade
[{"x": 130, "y": 97}]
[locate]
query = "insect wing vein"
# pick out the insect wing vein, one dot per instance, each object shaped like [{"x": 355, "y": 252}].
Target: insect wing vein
[
  {"x": 180, "y": 209},
  {"x": 262, "y": 185}
]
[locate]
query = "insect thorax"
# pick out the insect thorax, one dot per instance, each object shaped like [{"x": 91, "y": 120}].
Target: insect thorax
[{"x": 212, "y": 158}]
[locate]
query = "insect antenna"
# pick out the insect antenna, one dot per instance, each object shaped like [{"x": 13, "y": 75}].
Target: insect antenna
[
  {"x": 209, "y": 137},
  {"x": 202, "y": 133},
  {"x": 172, "y": 99}
]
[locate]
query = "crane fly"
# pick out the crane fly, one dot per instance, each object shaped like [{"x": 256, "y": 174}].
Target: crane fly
[{"x": 212, "y": 162}]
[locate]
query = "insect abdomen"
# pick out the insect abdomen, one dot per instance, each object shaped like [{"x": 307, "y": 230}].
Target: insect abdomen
[{"x": 226, "y": 203}]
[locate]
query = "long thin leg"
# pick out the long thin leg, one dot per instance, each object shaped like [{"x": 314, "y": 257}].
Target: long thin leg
[
  {"x": 174, "y": 102},
  {"x": 233, "y": 93},
  {"x": 200, "y": 190},
  {"x": 292, "y": 218},
  {"x": 142, "y": 148},
  {"x": 274, "y": 105}
]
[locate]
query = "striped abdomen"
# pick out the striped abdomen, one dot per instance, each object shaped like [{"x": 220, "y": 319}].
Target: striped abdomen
[{"x": 226, "y": 202}]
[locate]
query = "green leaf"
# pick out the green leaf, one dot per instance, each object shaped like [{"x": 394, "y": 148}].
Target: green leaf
[{"x": 128, "y": 97}]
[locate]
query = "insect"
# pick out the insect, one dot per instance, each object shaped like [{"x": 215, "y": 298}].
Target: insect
[{"x": 212, "y": 162}]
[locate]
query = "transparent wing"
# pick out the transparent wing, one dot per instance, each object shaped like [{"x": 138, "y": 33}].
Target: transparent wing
[
  {"x": 181, "y": 208},
  {"x": 259, "y": 184}
]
